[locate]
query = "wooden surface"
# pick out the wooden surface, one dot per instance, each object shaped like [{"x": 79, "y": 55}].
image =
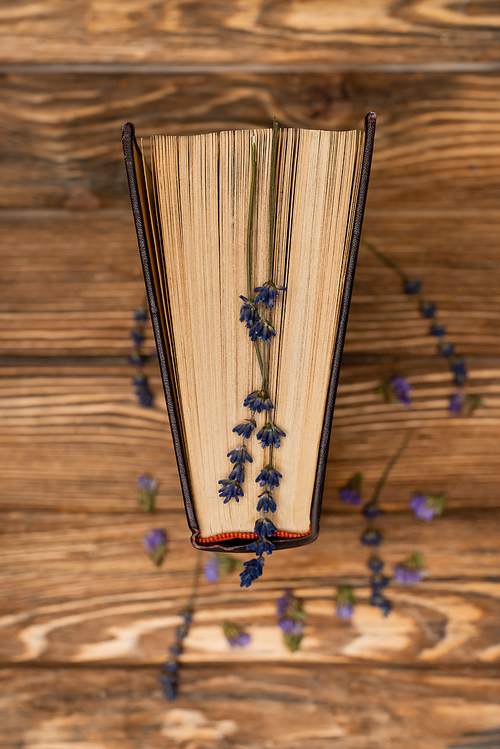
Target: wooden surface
[{"x": 85, "y": 619}]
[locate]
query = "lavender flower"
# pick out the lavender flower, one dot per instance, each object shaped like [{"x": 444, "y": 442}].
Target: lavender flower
[
  {"x": 239, "y": 455},
  {"x": 265, "y": 527},
  {"x": 427, "y": 506},
  {"x": 377, "y": 599},
  {"x": 464, "y": 404},
  {"x": 349, "y": 494},
  {"x": 267, "y": 293},
  {"x": 345, "y": 602},
  {"x": 266, "y": 502},
  {"x": 269, "y": 476},
  {"x": 437, "y": 330},
  {"x": 235, "y": 634},
  {"x": 238, "y": 473},
  {"x": 253, "y": 570},
  {"x": 170, "y": 679},
  {"x": 371, "y": 511},
  {"x": 142, "y": 391},
  {"x": 375, "y": 564},
  {"x": 211, "y": 568},
  {"x": 146, "y": 496},
  {"x": 410, "y": 571},
  {"x": 401, "y": 388},
  {"x": 269, "y": 435},
  {"x": 258, "y": 401},
  {"x": 427, "y": 309},
  {"x": 371, "y": 537},
  {"x": 379, "y": 581},
  {"x": 412, "y": 287},
  {"x": 137, "y": 336},
  {"x": 245, "y": 429},
  {"x": 291, "y": 615},
  {"x": 140, "y": 314},
  {"x": 262, "y": 330},
  {"x": 446, "y": 349},
  {"x": 248, "y": 312},
  {"x": 231, "y": 489},
  {"x": 459, "y": 370},
  {"x": 261, "y": 546},
  {"x": 155, "y": 543}
]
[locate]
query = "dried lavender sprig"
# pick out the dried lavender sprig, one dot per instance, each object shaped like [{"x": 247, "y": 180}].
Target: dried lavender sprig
[
  {"x": 137, "y": 358},
  {"x": 169, "y": 678},
  {"x": 458, "y": 404}
]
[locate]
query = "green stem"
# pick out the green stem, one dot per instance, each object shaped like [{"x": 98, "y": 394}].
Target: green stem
[
  {"x": 261, "y": 363},
  {"x": 386, "y": 260},
  {"x": 390, "y": 465},
  {"x": 271, "y": 197},
  {"x": 250, "y": 217}
]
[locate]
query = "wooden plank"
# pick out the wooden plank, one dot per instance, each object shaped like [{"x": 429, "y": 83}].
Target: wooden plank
[
  {"x": 80, "y": 589},
  {"x": 66, "y": 293},
  {"x": 80, "y": 440},
  {"x": 299, "y": 31},
  {"x": 292, "y": 706},
  {"x": 437, "y": 141}
]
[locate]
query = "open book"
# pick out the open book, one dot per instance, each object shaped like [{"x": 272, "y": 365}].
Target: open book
[{"x": 250, "y": 376}]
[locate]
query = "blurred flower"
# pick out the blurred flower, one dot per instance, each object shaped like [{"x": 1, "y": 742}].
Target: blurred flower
[
  {"x": 371, "y": 537},
  {"x": 349, "y": 494},
  {"x": 155, "y": 542},
  {"x": 345, "y": 601},
  {"x": 427, "y": 506},
  {"x": 410, "y": 571},
  {"x": 235, "y": 634},
  {"x": 395, "y": 390},
  {"x": 463, "y": 404},
  {"x": 291, "y": 615},
  {"x": 146, "y": 496}
]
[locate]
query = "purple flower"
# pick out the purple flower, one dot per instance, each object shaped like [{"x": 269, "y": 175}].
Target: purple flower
[
  {"x": 459, "y": 371},
  {"x": 446, "y": 349},
  {"x": 456, "y": 403},
  {"x": 238, "y": 473},
  {"x": 262, "y": 330},
  {"x": 371, "y": 537},
  {"x": 266, "y": 502},
  {"x": 140, "y": 315},
  {"x": 269, "y": 476},
  {"x": 371, "y": 511},
  {"x": 147, "y": 483},
  {"x": 231, "y": 489},
  {"x": 253, "y": 570},
  {"x": 282, "y": 604},
  {"x": 261, "y": 546},
  {"x": 377, "y": 599},
  {"x": 427, "y": 506},
  {"x": 406, "y": 576},
  {"x": 428, "y": 309},
  {"x": 412, "y": 287},
  {"x": 211, "y": 568},
  {"x": 258, "y": 401},
  {"x": 267, "y": 293},
  {"x": 379, "y": 581},
  {"x": 245, "y": 429},
  {"x": 265, "y": 528},
  {"x": 375, "y": 564},
  {"x": 270, "y": 435},
  {"x": 142, "y": 391},
  {"x": 248, "y": 312},
  {"x": 401, "y": 389},
  {"x": 344, "y": 611},
  {"x": 239, "y": 455},
  {"x": 291, "y": 615},
  {"x": 235, "y": 634},
  {"x": 345, "y": 601},
  {"x": 155, "y": 542},
  {"x": 349, "y": 496},
  {"x": 437, "y": 330},
  {"x": 137, "y": 336},
  {"x": 291, "y": 626}
]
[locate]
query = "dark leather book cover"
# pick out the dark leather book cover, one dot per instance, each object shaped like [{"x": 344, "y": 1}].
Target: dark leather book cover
[{"x": 138, "y": 196}]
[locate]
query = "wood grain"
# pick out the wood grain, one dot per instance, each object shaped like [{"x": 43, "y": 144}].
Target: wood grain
[
  {"x": 437, "y": 134},
  {"x": 79, "y": 588},
  {"x": 228, "y": 33},
  {"x": 290, "y": 705}
]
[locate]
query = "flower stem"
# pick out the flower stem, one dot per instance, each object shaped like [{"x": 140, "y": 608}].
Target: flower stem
[
  {"x": 195, "y": 582},
  {"x": 387, "y": 260},
  {"x": 271, "y": 197},
  {"x": 250, "y": 217},
  {"x": 390, "y": 465}
]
